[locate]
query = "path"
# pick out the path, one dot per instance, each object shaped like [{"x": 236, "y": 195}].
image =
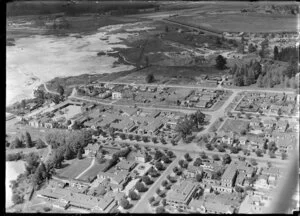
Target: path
[
  {"x": 91, "y": 165},
  {"x": 140, "y": 206},
  {"x": 47, "y": 90}
]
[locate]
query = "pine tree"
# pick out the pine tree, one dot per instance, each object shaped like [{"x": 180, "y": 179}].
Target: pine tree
[
  {"x": 28, "y": 140},
  {"x": 275, "y": 53}
]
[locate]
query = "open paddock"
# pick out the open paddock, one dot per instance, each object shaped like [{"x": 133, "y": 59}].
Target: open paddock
[
  {"x": 93, "y": 171},
  {"x": 75, "y": 168}
]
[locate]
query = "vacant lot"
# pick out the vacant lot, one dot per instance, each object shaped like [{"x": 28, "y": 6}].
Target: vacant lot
[
  {"x": 234, "y": 125},
  {"x": 75, "y": 168},
  {"x": 93, "y": 171},
  {"x": 239, "y": 22}
]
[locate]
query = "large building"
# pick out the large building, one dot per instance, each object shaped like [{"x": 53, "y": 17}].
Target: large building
[
  {"x": 229, "y": 176},
  {"x": 181, "y": 194}
]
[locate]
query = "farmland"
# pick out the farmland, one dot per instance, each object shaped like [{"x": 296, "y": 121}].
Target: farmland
[{"x": 253, "y": 22}]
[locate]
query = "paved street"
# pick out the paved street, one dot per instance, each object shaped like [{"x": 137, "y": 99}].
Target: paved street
[{"x": 142, "y": 204}]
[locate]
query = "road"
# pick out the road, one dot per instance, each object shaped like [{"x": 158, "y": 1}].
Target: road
[{"x": 141, "y": 205}]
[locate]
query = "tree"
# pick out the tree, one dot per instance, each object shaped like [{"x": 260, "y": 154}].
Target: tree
[
  {"x": 150, "y": 78},
  {"x": 140, "y": 187},
  {"x": 198, "y": 118},
  {"x": 60, "y": 90},
  {"x": 253, "y": 162},
  {"x": 197, "y": 162},
  {"x": 160, "y": 209},
  {"x": 79, "y": 154},
  {"x": 124, "y": 203},
  {"x": 239, "y": 189},
  {"x": 146, "y": 179},
  {"x": 164, "y": 202},
  {"x": 215, "y": 157},
  {"x": 16, "y": 143},
  {"x": 133, "y": 195},
  {"x": 199, "y": 177},
  {"x": 283, "y": 156},
  {"x": 159, "y": 166},
  {"x": 170, "y": 154},
  {"x": 158, "y": 191},
  {"x": 32, "y": 162},
  {"x": 226, "y": 159},
  {"x": 154, "y": 139},
  {"x": 165, "y": 159},
  {"x": 184, "y": 127},
  {"x": 187, "y": 156},
  {"x": 130, "y": 136},
  {"x": 68, "y": 153},
  {"x": 203, "y": 155},
  {"x": 151, "y": 199},
  {"x": 209, "y": 146},
  {"x": 122, "y": 136},
  {"x": 221, "y": 62},
  {"x": 251, "y": 48},
  {"x": 164, "y": 183},
  {"x": 275, "y": 53},
  {"x": 166, "y": 29},
  {"x": 40, "y": 144},
  {"x": 17, "y": 198}
]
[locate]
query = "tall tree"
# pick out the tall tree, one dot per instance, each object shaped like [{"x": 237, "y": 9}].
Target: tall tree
[
  {"x": 275, "y": 53},
  {"x": 60, "y": 90},
  {"x": 198, "y": 118},
  {"x": 28, "y": 140},
  {"x": 221, "y": 62}
]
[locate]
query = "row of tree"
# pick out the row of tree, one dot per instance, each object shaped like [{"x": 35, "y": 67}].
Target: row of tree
[{"x": 25, "y": 141}]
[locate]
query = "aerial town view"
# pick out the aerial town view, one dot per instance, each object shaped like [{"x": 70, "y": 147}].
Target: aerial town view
[{"x": 152, "y": 107}]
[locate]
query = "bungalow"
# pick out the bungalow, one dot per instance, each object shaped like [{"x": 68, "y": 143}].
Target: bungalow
[
  {"x": 194, "y": 99},
  {"x": 126, "y": 125},
  {"x": 34, "y": 123},
  {"x": 152, "y": 89},
  {"x": 255, "y": 122},
  {"x": 140, "y": 156},
  {"x": 243, "y": 140},
  {"x": 274, "y": 109},
  {"x": 227, "y": 139},
  {"x": 150, "y": 128},
  {"x": 105, "y": 95},
  {"x": 116, "y": 95},
  {"x": 268, "y": 123},
  {"x": 281, "y": 126},
  {"x": 256, "y": 142},
  {"x": 201, "y": 104},
  {"x": 143, "y": 88}
]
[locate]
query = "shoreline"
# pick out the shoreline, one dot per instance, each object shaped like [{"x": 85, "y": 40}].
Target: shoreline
[{"x": 27, "y": 62}]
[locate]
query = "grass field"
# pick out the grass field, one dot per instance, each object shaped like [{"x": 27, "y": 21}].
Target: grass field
[
  {"x": 75, "y": 168},
  {"x": 238, "y": 22},
  {"x": 234, "y": 125},
  {"x": 93, "y": 171}
]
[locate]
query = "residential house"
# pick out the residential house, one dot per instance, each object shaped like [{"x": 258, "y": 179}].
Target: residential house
[
  {"x": 268, "y": 123},
  {"x": 281, "y": 125},
  {"x": 240, "y": 179},
  {"x": 201, "y": 104},
  {"x": 140, "y": 156},
  {"x": 105, "y": 95},
  {"x": 181, "y": 194},
  {"x": 192, "y": 171},
  {"x": 116, "y": 95},
  {"x": 255, "y": 123},
  {"x": 262, "y": 182},
  {"x": 126, "y": 165},
  {"x": 243, "y": 140},
  {"x": 142, "y": 169},
  {"x": 152, "y": 89},
  {"x": 229, "y": 176},
  {"x": 126, "y": 125},
  {"x": 91, "y": 149}
]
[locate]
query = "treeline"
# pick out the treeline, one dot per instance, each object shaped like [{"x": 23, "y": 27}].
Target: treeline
[
  {"x": 43, "y": 8},
  {"x": 25, "y": 141},
  {"x": 287, "y": 54},
  {"x": 271, "y": 74},
  {"x": 67, "y": 145}
]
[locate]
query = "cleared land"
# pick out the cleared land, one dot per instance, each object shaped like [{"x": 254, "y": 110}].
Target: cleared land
[
  {"x": 234, "y": 125},
  {"x": 75, "y": 168}
]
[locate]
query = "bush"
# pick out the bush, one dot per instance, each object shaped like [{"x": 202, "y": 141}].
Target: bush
[
  {"x": 40, "y": 144},
  {"x": 14, "y": 157},
  {"x": 46, "y": 209},
  {"x": 150, "y": 78},
  {"x": 17, "y": 198},
  {"x": 160, "y": 209}
]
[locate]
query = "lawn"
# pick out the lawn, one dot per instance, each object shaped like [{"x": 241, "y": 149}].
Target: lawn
[
  {"x": 234, "y": 125},
  {"x": 75, "y": 168},
  {"x": 93, "y": 171}
]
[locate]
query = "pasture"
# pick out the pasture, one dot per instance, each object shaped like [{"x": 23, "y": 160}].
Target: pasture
[{"x": 239, "y": 22}]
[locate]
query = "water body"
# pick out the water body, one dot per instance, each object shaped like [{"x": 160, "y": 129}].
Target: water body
[
  {"x": 12, "y": 170},
  {"x": 38, "y": 59}
]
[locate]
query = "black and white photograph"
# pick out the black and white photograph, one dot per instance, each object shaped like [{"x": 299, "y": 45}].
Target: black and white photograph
[{"x": 152, "y": 107}]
